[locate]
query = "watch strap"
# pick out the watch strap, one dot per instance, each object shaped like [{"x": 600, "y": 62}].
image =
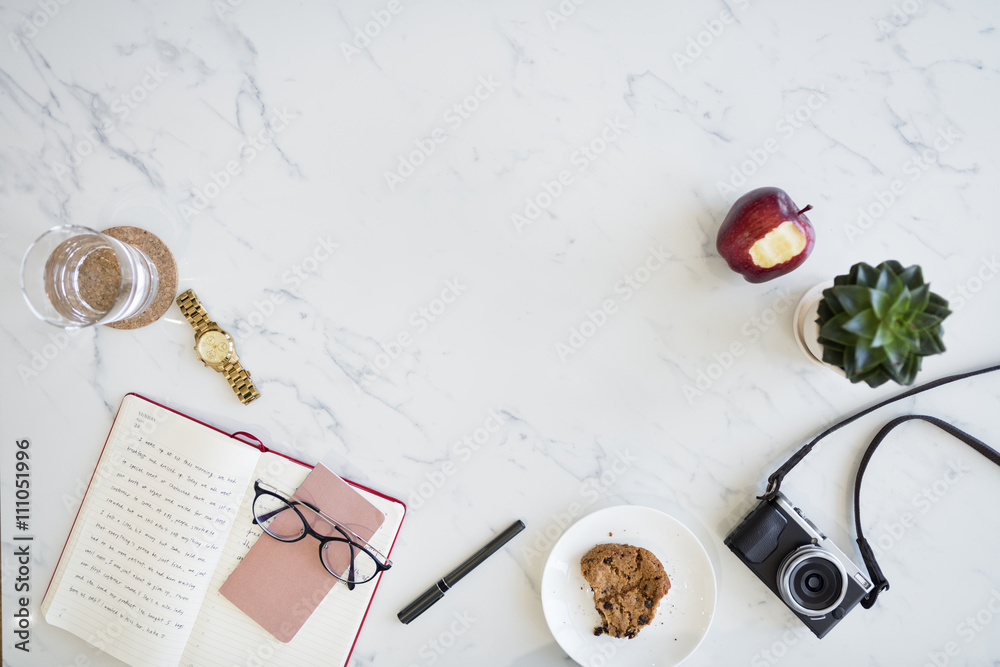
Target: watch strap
[
  {"x": 239, "y": 380},
  {"x": 193, "y": 311}
]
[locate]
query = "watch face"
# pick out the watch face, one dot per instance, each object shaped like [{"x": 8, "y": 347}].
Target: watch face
[{"x": 214, "y": 347}]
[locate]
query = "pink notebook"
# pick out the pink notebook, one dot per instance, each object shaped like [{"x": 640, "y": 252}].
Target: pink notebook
[{"x": 280, "y": 584}]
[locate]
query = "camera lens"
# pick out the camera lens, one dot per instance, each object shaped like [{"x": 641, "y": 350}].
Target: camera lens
[{"x": 812, "y": 581}]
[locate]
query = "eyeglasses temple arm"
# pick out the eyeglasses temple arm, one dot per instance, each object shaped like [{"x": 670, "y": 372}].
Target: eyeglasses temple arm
[{"x": 341, "y": 527}]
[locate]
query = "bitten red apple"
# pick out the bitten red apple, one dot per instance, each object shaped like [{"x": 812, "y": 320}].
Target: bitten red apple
[{"x": 765, "y": 235}]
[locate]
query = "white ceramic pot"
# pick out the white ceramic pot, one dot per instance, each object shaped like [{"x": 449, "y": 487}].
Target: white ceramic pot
[{"x": 805, "y": 328}]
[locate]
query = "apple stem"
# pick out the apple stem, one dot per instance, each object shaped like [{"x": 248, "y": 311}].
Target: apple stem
[{"x": 807, "y": 208}]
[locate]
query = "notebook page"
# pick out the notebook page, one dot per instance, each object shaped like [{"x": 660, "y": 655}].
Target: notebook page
[
  {"x": 149, "y": 535},
  {"x": 224, "y": 635}
]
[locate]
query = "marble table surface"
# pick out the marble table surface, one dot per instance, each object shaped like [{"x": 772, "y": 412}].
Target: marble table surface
[{"x": 430, "y": 224}]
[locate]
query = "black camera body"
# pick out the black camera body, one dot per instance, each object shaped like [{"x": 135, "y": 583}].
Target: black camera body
[{"x": 799, "y": 564}]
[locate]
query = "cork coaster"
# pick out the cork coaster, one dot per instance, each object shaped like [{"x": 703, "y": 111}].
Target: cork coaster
[{"x": 163, "y": 259}]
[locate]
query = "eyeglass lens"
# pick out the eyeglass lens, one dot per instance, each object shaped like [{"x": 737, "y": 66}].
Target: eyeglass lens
[{"x": 277, "y": 518}]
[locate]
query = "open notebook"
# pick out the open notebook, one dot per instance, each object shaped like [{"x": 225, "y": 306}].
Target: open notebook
[{"x": 165, "y": 520}]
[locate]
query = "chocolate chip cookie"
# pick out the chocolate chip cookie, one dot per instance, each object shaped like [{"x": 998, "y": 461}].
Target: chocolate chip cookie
[{"x": 628, "y": 584}]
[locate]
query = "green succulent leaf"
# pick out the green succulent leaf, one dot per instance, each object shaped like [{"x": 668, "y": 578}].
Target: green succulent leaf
[
  {"x": 853, "y": 298},
  {"x": 864, "y": 324},
  {"x": 892, "y": 265},
  {"x": 861, "y": 274},
  {"x": 925, "y": 320},
  {"x": 896, "y": 287},
  {"x": 908, "y": 373},
  {"x": 880, "y": 302},
  {"x": 829, "y": 306},
  {"x": 824, "y": 315},
  {"x": 920, "y": 297},
  {"x": 938, "y": 300},
  {"x": 834, "y": 331},
  {"x": 876, "y": 378},
  {"x": 911, "y": 276},
  {"x": 896, "y": 350},
  {"x": 833, "y": 356},
  {"x": 884, "y": 335},
  {"x": 930, "y": 343},
  {"x": 938, "y": 306},
  {"x": 910, "y": 335},
  {"x": 867, "y": 358},
  {"x": 900, "y": 307},
  {"x": 847, "y": 363},
  {"x": 884, "y": 283}
]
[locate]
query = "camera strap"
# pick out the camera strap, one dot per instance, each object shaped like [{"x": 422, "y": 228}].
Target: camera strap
[
  {"x": 881, "y": 584},
  {"x": 775, "y": 479}
]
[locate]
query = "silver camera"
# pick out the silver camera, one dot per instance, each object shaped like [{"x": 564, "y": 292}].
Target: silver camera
[{"x": 800, "y": 564}]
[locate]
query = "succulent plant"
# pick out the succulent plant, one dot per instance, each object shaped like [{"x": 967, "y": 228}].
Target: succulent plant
[{"x": 877, "y": 323}]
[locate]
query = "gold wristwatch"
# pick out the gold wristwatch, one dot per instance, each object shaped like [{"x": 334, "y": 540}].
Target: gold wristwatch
[{"x": 216, "y": 349}]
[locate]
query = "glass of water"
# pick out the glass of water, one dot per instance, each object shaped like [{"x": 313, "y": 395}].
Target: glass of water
[{"x": 76, "y": 277}]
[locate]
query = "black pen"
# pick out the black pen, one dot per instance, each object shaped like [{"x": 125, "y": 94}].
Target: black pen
[{"x": 436, "y": 592}]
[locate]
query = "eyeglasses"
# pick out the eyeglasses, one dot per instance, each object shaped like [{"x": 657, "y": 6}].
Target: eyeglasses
[{"x": 345, "y": 554}]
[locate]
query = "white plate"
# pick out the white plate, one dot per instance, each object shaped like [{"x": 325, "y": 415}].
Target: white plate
[{"x": 683, "y": 617}]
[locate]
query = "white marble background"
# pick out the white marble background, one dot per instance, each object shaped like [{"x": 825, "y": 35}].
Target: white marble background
[{"x": 116, "y": 112}]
